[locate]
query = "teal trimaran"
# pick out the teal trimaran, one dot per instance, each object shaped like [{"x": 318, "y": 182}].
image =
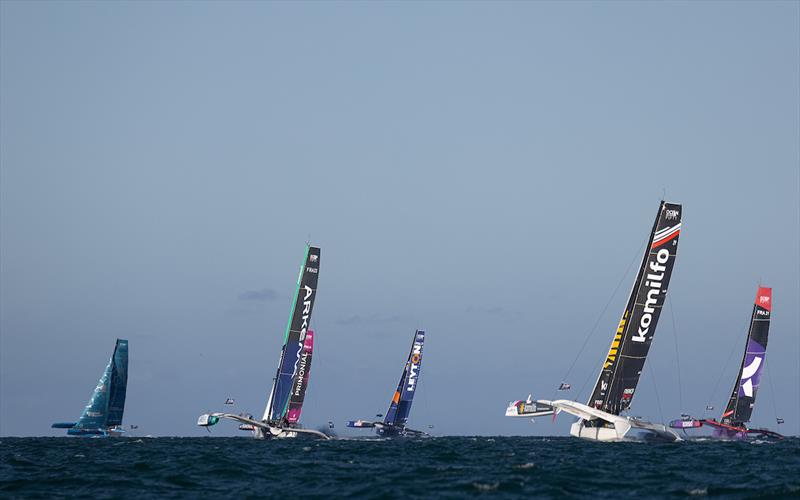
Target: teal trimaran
[{"x": 103, "y": 415}]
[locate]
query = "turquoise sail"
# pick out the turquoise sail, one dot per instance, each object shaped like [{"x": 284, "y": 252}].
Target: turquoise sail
[{"x": 105, "y": 409}]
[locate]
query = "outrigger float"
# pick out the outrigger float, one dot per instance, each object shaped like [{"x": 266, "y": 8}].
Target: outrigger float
[
  {"x": 394, "y": 423},
  {"x": 737, "y": 413},
  {"x": 600, "y": 419},
  {"x": 282, "y": 415}
]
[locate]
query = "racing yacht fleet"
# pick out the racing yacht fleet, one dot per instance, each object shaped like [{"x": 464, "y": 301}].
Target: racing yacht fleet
[{"x": 605, "y": 416}]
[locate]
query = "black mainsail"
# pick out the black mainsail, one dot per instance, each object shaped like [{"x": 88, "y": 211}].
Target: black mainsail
[{"x": 623, "y": 366}]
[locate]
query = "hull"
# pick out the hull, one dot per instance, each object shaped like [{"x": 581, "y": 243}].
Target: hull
[
  {"x": 273, "y": 433},
  {"x": 613, "y": 433},
  {"x": 623, "y": 429},
  {"x": 261, "y": 430},
  {"x": 96, "y": 433},
  {"x": 598, "y": 425}
]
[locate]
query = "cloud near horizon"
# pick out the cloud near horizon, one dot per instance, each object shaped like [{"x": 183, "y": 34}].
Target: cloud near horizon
[{"x": 263, "y": 295}]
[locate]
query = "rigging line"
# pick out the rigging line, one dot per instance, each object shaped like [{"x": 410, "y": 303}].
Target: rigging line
[
  {"x": 603, "y": 312},
  {"x": 772, "y": 391},
  {"x": 677, "y": 353},
  {"x": 655, "y": 389},
  {"x": 722, "y": 373},
  {"x": 588, "y": 378}
]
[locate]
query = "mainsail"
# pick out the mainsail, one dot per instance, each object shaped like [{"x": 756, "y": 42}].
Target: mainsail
[
  {"x": 743, "y": 397},
  {"x": 296, "y": 330},
  {"x": 623, "y": 366},
  {"x": 400, "y": 406},
  {"x": 107, "y": 405}
]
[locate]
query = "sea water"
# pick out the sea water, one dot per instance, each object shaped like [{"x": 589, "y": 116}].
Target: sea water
[{"x": 453, "y": 467}]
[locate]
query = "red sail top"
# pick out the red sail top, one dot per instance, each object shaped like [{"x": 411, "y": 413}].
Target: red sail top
[{"x": 764, "y": 298}]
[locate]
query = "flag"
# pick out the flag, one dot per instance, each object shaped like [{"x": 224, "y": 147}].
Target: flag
[
  {"x": 780, "y": 420},
  {"x": 709, "y": 407},
  {"x": 134, "y": 426},
  {"x": 564, "y": 387},
  {"x": 229, "y": 401}
]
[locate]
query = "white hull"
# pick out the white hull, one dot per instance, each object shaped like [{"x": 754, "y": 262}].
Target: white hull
[
  {"x": 273, "y": 433},
  {"x": 578, "y": 429},
  {"x": 598, "y": 425},
  {"x": 261, "y": 430}
]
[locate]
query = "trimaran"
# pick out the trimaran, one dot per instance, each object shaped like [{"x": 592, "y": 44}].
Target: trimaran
[
  {"x": 394, "y": 423},
  {"x": 600, "y": 418},
  {"x": 282, "y": 414},
  {"x": 737, "y": 413},
  {"x": 103, "y": 415}
]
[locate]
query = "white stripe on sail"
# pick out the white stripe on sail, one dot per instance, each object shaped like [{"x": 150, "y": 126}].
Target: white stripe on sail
[{"x": 667, "y": 232}]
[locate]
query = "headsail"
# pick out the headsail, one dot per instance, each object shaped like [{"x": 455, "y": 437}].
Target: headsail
[
  {"x": 304, "y": 296},
  {"x": 300, "y": 381},
  {"x": 623, "y": 366},
  {"x": 400, "y": 406},
  {"x": 107, "y": 405},
  {"x": 743, "y": 397}
]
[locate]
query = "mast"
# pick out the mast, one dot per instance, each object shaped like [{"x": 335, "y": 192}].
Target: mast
[
  {"x": 743, "y": 396},
  {"x": 400, "y": 406},
  {"x": 624, "y": 363},
  {"x": 294, "y": 337}
]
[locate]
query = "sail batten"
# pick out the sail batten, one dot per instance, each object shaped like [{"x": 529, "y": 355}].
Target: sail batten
[{"x": 619, "y": 376}]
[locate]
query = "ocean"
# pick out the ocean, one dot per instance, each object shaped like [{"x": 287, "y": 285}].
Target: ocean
[{"x": 449, "y": 467}]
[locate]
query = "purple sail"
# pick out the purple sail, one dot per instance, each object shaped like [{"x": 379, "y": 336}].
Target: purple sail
[{"x": 751, "y": 369}]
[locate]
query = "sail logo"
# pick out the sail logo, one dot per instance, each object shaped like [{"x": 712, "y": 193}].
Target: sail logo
[
  {"x": 764, "y": 299},
  {"x": 313, "y": 258},
  {"x": 653, "y": 282},
  {"x": 301, "y": 374},
  {"x": 413, "y": 369},
  {"x": 672, "y": 214},
  {"x": 747, "y": 373},
  {"x": 306, "y": 312}
]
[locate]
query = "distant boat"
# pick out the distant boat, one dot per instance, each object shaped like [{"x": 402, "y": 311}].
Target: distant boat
[
  {"x": 282, "y": 415},
  {"x": 600, "y": 418},
  {"x": 737, "y": 413},
  {"x": 103, "y": 415},
  {"x": 394, "y": 423}
]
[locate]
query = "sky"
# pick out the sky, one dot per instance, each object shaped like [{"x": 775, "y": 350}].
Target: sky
[{"x": 484, "y": 171}]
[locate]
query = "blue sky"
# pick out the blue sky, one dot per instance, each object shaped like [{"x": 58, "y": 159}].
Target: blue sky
[{"x": 485, "y": 171}]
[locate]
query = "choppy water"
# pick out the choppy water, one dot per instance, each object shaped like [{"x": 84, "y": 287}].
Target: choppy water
[{"x": 433, "y": 467}]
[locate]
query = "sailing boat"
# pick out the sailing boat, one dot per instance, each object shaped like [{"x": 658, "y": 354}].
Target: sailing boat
[
  {"x": 103, "y": 415},
  {"x": 737, "y": 413},
  {"x": 282, "y": 414},
  {"x": 599, "y": 419},
  {"x": 394, "y": 423}
]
